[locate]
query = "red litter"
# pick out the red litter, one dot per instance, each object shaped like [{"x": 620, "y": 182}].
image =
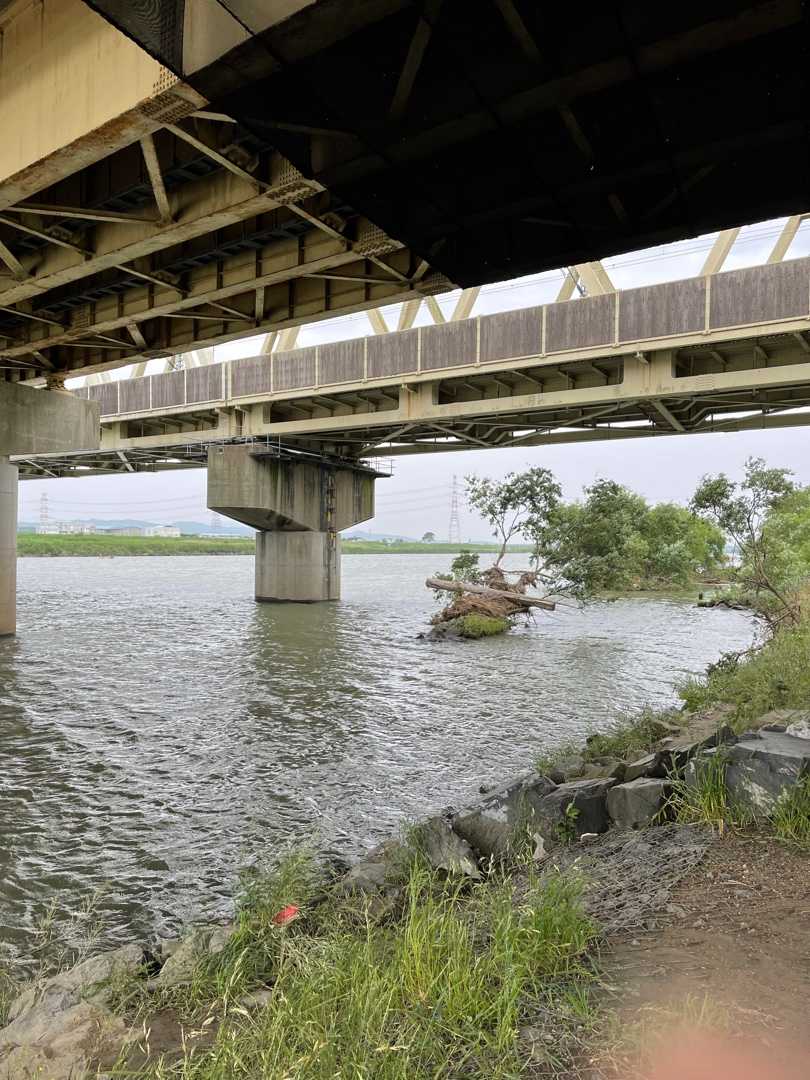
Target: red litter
[{"x": 286, "y": 915}]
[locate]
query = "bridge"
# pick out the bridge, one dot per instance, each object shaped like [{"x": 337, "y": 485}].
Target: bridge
[{"x": 180, "y": 175}]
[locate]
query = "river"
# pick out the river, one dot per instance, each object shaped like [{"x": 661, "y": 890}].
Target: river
[{"x": 159, "y": 730}]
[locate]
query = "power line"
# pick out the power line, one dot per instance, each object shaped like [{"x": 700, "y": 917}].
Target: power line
[{"x": 454, "y": 530}]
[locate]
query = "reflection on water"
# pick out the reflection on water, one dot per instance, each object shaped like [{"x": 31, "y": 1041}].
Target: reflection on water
[{"x": 158, "y": 729}]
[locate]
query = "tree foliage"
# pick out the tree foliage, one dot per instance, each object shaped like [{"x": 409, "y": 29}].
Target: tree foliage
[
  {"x": 615, "y": 540},
  {"x": 750, "y": 513},
  {"x": 520, "y": 505}
]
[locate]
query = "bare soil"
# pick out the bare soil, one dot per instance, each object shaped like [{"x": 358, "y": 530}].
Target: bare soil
[{"x": 735, "y": 934}]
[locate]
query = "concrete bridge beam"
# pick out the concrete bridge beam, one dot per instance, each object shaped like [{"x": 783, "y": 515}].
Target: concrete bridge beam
[{"x": 298, "y": 507}]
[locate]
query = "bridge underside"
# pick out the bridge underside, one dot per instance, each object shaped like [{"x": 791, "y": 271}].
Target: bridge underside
[
  {"x": 137, "y": 223},
  {"x": 508, "y": 137}
]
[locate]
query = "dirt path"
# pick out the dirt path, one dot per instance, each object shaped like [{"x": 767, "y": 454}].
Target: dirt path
[{"x": 733, "y": 945}]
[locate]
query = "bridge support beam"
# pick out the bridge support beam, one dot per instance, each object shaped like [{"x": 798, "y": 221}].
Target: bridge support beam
[
  {"x": 8, "y": 547},
  {"x": 297, "y": 567},
  {"x": 298, "y": 504}
]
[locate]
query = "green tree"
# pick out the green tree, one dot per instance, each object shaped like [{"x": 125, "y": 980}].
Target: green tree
[
  {"x": 742, "y": 510},
  {"x": 429, "y": 538},
  {"x": 520, "y": 505},
  {"x": 598, "y": 543},
  {"x": 679, "y": 544}
]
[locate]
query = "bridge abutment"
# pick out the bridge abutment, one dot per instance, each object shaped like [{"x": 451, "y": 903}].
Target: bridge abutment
[
  {"x": 298, "y": 504},
  {"x": 8, "y": 547}
]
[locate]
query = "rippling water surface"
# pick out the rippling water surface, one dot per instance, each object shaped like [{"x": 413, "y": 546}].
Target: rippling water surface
[{"x": 159, "y": 730}]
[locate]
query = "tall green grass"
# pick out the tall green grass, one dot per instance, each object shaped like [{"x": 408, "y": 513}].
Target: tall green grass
[
  {"x": 439, "y": 988},
  {"x": 773, "y": 677}
]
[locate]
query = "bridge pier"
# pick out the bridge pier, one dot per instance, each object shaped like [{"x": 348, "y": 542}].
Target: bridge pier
[
  {"x": 8, "y": 547},
  {"x": 297, "y": 567},
  {"x": 298, "y": 504}
]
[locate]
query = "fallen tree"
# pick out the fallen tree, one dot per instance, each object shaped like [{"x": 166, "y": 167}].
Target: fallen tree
[{"x": 480, "y": 596}]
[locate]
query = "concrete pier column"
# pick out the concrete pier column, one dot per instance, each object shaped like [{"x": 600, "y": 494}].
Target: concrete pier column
[
  {"x": 8, "y": 547},
  {"x": 297, "y": 567}
]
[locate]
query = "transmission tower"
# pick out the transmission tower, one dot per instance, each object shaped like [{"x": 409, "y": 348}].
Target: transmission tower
[
  {"x": 454, "y": 531},
  {"x": 43, "y": 510}
]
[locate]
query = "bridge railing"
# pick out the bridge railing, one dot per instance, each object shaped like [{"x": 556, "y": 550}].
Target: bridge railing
[{"x": 733, "y": 300}]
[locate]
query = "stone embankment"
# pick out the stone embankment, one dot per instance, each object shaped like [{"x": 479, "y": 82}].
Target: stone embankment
[{"x": 65, "y": 1029}]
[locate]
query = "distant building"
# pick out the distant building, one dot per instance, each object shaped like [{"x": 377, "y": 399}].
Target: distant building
[
  {"x": 168, "y": 531},
  {"x": 125, "y": 530},
  {"x": 66, "y": 528}
]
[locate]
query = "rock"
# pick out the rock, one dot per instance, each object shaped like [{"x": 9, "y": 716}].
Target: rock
[
  {"x": 676, "y": 752},
  {"x": 256, "y": 999},
  {"x": 539, "y": 854},
  {"x": 761, "y": 768},
  {"x": 200, "y": 944},
  {"x": 506, "y": 814},
  {"x": 376, "y": 871},
  {"x": 588, "y": 798},
  {"x": 637, "y": 804},
  {"x": 790, "y": 721},
  {"x": 566, "y": 769},
  {"x": 69, "y": 1044},
  {"x": 799, "y": 729},
  {"x": 649, "y": 765},
  {"x": 85, "y": 981},
  {"x": 445, "y": 849}
]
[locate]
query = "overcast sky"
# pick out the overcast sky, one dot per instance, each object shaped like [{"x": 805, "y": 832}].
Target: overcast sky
[{"x": 417, "y": 498}]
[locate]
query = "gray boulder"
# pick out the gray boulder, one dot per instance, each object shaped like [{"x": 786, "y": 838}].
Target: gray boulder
[
  {"x": 199, "y": 945},
  {"x": 637, "y": 804},
  {"x": 90, "y": 980},
  {"x": 71, "y": 1044},
  {"x": 566, "y": 769},
  {"x": 378, "y": 871},
  {"x": 675, "y": 753},
  {"x": 649, "y": 765},
  {"x": 506, "y": 815},
  {"x": 763, "y": 766},
  {"x": 445, "y": 849},
  {"x": 587, "y": 797}
]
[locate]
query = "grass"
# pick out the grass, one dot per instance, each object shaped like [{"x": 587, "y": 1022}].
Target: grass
[
  {"x": 33, "y": 544},
  {"x": 630, "y": 738},
  {"x": 776, "y": 676},
  {"x": 479, "y": 626},
  {"x": 439, "y": 988},
  {"x": 704, "y": 797},
  {"x": 791, "y": 816}
]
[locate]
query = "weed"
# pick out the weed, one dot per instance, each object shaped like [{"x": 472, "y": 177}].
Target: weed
[
  {"x": 774, "y": 676},
  {"x": 439, "y": 991},
  {"x": 567, "y": 828},
  {"x": 791, "y": 815},
  {"x": 703, "y": 795}
]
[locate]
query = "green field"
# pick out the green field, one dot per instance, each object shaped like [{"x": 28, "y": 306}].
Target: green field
[
  {"x": 34, "y": 544},
  {"x": 53, "y": 546}
]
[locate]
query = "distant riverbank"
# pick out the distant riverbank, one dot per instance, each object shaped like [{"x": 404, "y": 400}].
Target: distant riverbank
[{"x": 54, "y": 546}]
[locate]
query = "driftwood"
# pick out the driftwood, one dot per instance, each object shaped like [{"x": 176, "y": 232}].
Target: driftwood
[{"x": 486, "y": 593}]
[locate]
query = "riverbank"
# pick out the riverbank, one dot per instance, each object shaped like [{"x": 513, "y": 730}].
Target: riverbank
[
  {"x": 505, "y": 939},
  {"x": 99, "y": 546}
]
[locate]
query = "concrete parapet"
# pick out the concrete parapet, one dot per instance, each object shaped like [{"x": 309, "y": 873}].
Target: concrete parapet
[{"x": 8, "y": 548}]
